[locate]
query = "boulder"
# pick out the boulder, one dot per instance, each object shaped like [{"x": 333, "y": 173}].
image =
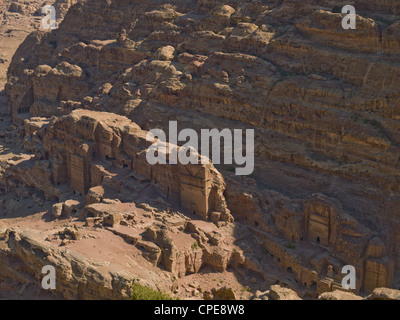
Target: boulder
[
  {"x": 277, "y": 292},
  {"x": 338, "y": 295},
  {"x": 57, "y": 210},
  {"x": 384, "y": 294},
  {"x": 70, "y": 206},
  {"x": 112, "y": 219},
  {"x": 224, "y": 293},
  {"x": 165, "y": 53}
]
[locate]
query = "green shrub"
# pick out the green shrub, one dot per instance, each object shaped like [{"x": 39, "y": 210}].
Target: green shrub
[
  {"x": 144, "y": 293},
  {"x": 336, "y": 9},
  {"x": 290, "y": 246},
  {"x": 195, "y": 246}
]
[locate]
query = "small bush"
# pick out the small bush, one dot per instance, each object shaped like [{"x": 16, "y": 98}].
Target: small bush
[
  {"x": 195, "y": 246},
  {"x": 290, "y": 246},
  {"x": 144, "y": 293}
]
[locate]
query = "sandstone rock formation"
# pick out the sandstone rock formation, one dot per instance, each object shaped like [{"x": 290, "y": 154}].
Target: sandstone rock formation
[
  {"x": 324, "y": 105},
  {"x": 77, "y": 277},
  {"x": 279, "y": 293},
  {"x": 338, "y": 295},
  {"x": 384, "y": 294}
]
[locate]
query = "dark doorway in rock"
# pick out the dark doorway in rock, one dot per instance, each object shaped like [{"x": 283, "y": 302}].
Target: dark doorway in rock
[{"x": 318, "y": 240}]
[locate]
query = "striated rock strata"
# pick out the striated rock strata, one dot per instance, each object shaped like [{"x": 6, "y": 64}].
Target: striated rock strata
[{"x": 323, "y": 101}]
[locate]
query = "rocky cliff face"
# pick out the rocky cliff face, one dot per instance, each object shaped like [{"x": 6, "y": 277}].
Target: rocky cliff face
[{"x": 323, "y": 102}]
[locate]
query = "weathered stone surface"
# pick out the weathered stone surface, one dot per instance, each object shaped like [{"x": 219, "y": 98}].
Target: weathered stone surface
[
  {"x": 70, "y": 207},
  {"x": 323, "y": 102},
  {"x": 57, "y": 210},
  {"x": 77, "y": 277},
  {"x": 223, "y": 294},
  {"x": 384, "y": 294},
  {"x": 339, "y": 295},
  {"x": 277, "y": 292},
  {"x": 112, "y": 219},
  {"x": 165, "y": 53}
]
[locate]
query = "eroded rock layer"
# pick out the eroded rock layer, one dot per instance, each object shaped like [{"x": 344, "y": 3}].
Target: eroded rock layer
[{"x": 323, "y": 101}]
